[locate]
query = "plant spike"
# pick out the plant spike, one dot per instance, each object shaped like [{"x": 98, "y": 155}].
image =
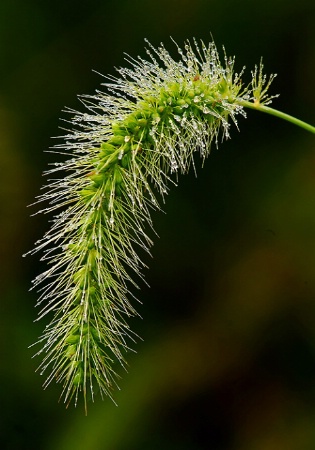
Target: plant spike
[{"x": 148, "y": 125}]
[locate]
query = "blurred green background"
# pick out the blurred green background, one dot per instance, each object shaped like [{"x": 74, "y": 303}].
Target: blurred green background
[{"x": 227, "y": 359}]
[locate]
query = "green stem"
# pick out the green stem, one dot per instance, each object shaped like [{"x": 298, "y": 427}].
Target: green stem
[{"x": 275, "y": 112}]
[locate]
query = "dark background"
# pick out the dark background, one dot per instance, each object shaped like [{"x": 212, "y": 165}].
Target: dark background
[{"x": 227, "y": 359}]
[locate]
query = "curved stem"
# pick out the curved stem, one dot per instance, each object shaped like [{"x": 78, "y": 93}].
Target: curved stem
[{"x": 275, "y": 112}]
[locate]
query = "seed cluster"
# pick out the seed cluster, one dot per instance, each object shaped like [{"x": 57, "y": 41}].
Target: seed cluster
[{"x": 130, "y": 142}]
